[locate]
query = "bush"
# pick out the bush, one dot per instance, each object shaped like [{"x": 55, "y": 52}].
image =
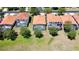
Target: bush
[
  {"x": 67, "y": 27},
  {"x": 53, "y": 31},
  {"x": 47, "y": 10},
  {"x": 22, "y": 9},
  {"x": 10, "y": 34},
  {"x": 61, "y": 10},
  {"x": 6, "y": 33},
  {"x": 71, "y": 35},
  {"x": 34, "y": 11},
  {"x": 38, "y": 34},
  {"x": 13, "y": 35},
  {"x": 55, "y": 8},
  {"x": 26, "y": 33},
  {"x": 12, "y": 8}
]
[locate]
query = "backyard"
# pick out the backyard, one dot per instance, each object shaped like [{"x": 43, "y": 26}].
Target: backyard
[{"x": 46, "y": 43}]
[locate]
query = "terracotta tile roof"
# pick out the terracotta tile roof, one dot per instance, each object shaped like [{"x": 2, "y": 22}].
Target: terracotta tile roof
[
  {"x": 53, "y": 18},
  {"x": 39, "y": 19},
  {"x": 22, "y": 16},
  {"x": 76, "y": 17},
  {"x": 8, "y": 20},
  {"x": 68, "y": 18}
]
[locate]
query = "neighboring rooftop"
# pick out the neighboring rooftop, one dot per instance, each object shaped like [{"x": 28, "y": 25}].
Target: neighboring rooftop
[
  {"x": 39, "y": 19},
  {"x": 76, "y": 17},
  {"x": 53, "y": 18},
  {"x": 22, "y": 16},
  {"x": 8, "y": 20},
  {"x": 68, "y": 18}
]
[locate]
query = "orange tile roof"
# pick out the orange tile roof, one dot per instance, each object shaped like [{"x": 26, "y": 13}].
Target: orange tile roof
[
  {"x": 8, "y": 20},
  {"x": 76, "y": 18},
  {"x": 53, "y": 18},
  {"x": 22, "y": 16},
  {"x": 69, "y": 18},
  {"x": 39, "y": 19}
]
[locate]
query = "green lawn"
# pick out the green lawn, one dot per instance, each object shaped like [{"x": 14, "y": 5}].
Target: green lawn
[
  {"x": 47, "y": 43},
  {"x": 72, "y": 9},
  {"x": 22, "y": 43}
]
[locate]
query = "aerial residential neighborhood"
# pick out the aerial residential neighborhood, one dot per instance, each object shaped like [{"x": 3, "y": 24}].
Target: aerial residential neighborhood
[{"x": 39, "y": 28}]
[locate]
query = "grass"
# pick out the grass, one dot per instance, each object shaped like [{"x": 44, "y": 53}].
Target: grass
[
  {"x": 76, "y": 47},
  {"x": 26, "y": 42},
  {"x": 8, "y": 43},
  {"x": 33, "y": 43},
  {"x": 72, "y": 9},
  {"x": 50, "y": 41}
]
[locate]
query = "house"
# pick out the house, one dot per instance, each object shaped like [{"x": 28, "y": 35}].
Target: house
[
  {"x": 69, "y": 18},
  {"x": 54, "y": 21},
  {"x": 8, "y": 22},
  {"x": 76, "y": 18},
  {"x": 39, "y": 22},
  {"x": 22, "y": 19}
]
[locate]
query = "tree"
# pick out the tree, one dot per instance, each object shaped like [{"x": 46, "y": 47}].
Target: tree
[
  {"x": 10, "y": 34},
  {"x": 61, "y": 10},
  {"x": 47, "y": 10},
  {"x": 26, "y": 33},
  {"x": 55, "y": 8},
  {"x": 22, "y": 9},
  {"x": 71, "y": 35},
  {"x": 34, "y": 11},
  {"x": 38, "y": 34},
  {"x": 13, "y": 35},
  {"x": 53, "y": 31},
  {"x": 12, "y": 8},
  {"x": 67, "y": 26}
]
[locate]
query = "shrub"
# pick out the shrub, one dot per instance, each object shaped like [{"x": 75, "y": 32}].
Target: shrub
[
  {"x": 71, "y": 35},
  {"x": 22, "y": 9},
  {"x": 10, "y": 34},
  {"x": 47, "y": 10},
  {"x": 6, "y": 33},
  {"x": 26, "y": 33},
  {"x": 67, "y": 27},
  {"x": 34, "y": 11},
  {"x": 13, "y": 35},
  {"x": 53, "y": 31},
  {"x": 38, "y": 34},
  {"x": 55, "y": 8},
  {"x": 61, "y": 10}
]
